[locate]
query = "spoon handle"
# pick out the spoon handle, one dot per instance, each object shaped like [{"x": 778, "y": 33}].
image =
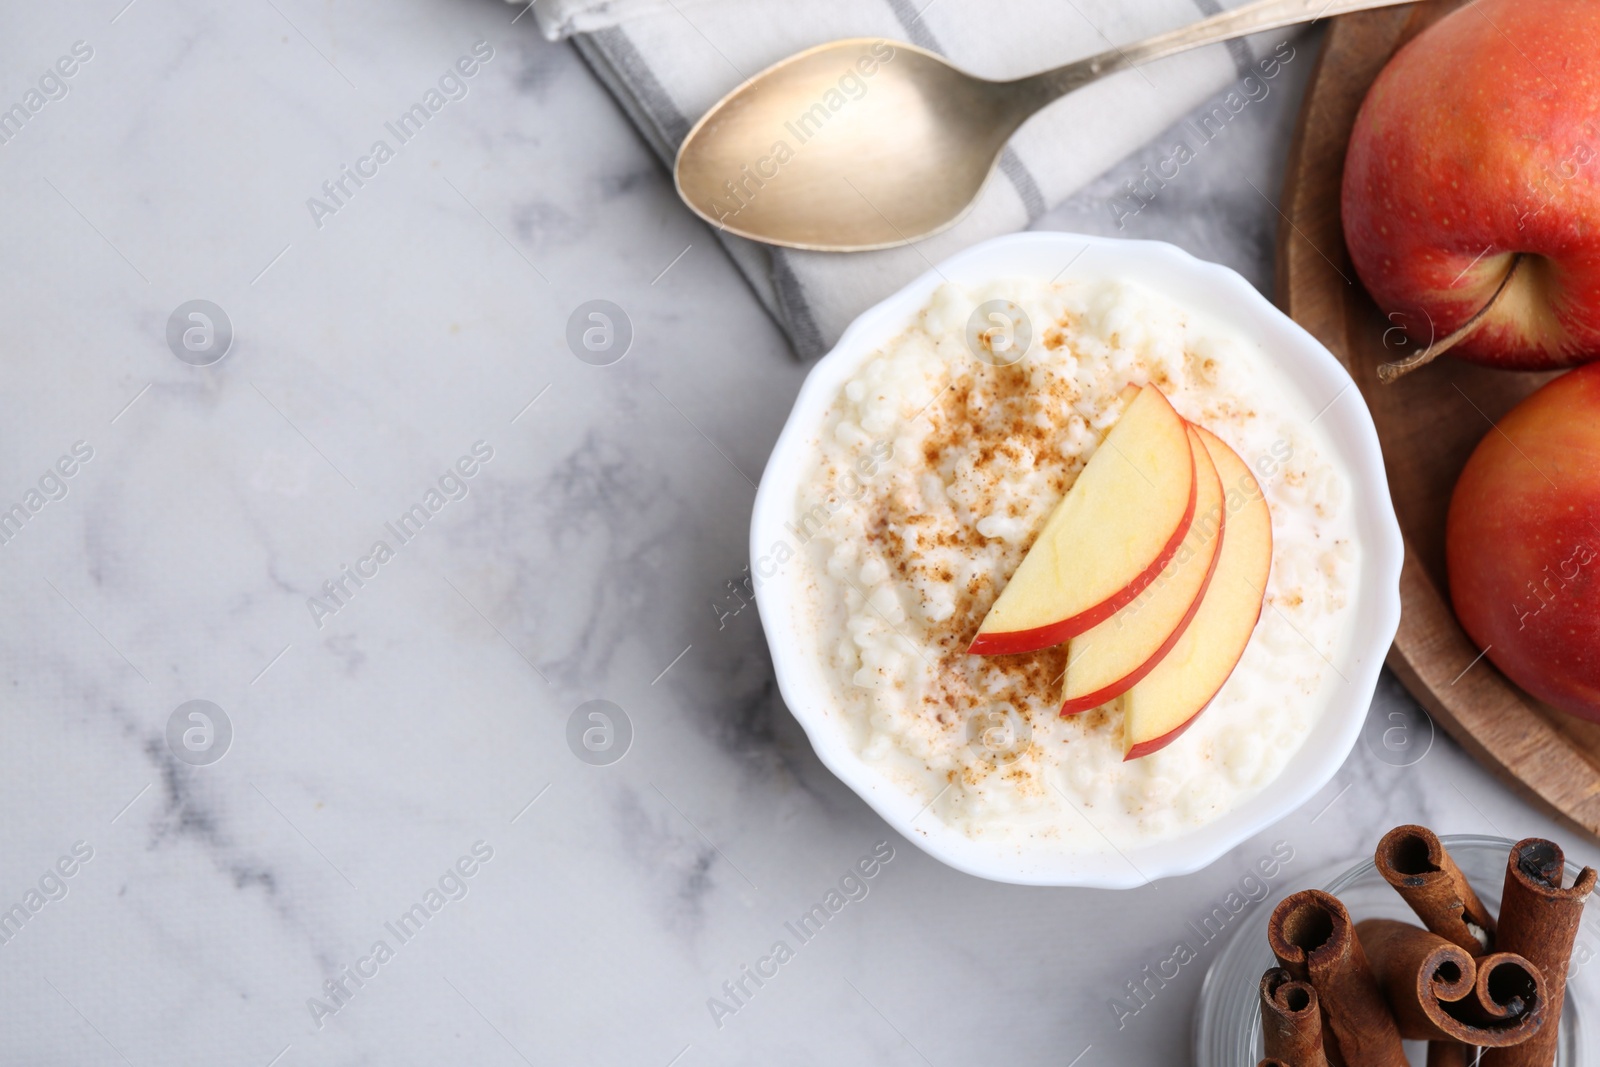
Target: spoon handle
[{"x": 1040, "y": 89}]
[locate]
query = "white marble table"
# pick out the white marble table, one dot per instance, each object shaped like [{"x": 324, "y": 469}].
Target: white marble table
[{"x": 374, "y": 747}]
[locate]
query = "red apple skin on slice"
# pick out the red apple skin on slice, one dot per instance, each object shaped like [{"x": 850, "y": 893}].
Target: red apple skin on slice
[
  {"x": 1106, "y": 661},
  {"x": 1167, "y": 700},
  {"x": 1112, "y": 534}
]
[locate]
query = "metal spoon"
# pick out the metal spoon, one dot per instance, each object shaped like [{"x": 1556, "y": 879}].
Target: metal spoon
[{"x": 863, "y": 143}]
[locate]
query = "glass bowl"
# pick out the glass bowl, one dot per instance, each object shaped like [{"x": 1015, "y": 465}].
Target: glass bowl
[{"x": 1227, "y": 1027}]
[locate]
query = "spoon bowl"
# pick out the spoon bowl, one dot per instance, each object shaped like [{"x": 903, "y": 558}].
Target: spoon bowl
[{"x": 855, "y": 144}]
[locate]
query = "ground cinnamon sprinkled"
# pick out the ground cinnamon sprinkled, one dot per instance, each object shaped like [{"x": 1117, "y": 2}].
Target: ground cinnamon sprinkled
[{"x": 1004, "y": 396}]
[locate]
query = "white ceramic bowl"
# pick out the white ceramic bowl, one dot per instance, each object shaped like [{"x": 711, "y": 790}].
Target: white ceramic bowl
[{"x": 1225, "y": 297}]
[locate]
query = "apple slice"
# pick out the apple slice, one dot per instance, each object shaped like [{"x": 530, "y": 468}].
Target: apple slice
[
  {"x": 1111, "y": 535},
  {"x": 1107, "y": 660},
  {"x": 1168, "y": 699}
]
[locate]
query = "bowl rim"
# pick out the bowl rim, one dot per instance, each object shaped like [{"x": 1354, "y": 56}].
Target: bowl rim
[{"x": 1375, "y": 600}]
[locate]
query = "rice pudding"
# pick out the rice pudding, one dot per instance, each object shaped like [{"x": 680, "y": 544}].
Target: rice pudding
[{"x": 935, "y": 471}]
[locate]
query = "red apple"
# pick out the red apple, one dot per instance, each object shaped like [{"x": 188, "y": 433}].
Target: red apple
[
  {"x": 1522, "y": 544},
  {"x": 1167, "y": 701},
  {"x": 1478, "y": 144},
  {"x": 1111, "y": 535},
  {"x": 1106, "y": 661}
]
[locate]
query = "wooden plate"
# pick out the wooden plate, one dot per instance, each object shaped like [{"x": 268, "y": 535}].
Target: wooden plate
[{"x": 1428, "y": 423}]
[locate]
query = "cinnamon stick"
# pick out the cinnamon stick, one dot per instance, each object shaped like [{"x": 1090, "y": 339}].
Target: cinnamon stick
[
  {"x": 1418, "y": 972},
  {"x": 1539, "y": 920},
  {"x": 1510, "y": 991},
  {"x": 1291, "y": 1020},
  {"x": 1448, "y": 1054},
  {"x": 1314, "y": 940},
  {"x": 1412, "y": 859},
  {"x": 1439, "y": 993}
]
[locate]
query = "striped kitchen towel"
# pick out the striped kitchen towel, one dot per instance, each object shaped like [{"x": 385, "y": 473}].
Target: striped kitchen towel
[{"x": 667, "y": 61}]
